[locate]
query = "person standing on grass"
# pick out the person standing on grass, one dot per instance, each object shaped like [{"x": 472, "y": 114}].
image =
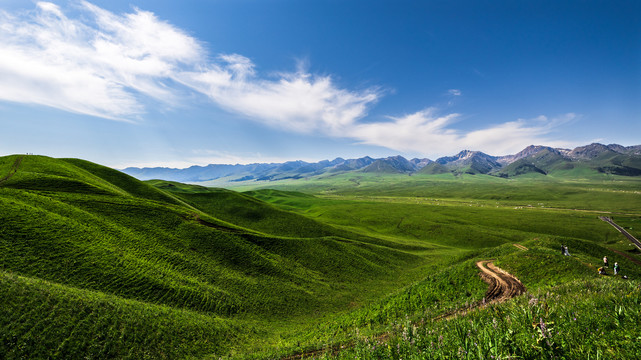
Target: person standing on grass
[
  {"x": 562, "y": 249},
  {"x": 616, "y": 267},
  {"x": 565, "y": 250},
  {"x": 605, "y": 261}
]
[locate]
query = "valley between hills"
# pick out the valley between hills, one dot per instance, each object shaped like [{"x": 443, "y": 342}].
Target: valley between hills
[{"x": 333, "y": 262}]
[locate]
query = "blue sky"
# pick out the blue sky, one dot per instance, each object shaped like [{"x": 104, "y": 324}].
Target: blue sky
[{"x": 168, "y": 83}]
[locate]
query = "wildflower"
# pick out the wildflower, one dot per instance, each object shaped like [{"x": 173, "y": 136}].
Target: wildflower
[{"x": 542, "y": 326}]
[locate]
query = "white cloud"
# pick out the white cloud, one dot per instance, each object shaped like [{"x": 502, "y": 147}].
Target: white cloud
[
  {"x": 454, "y": 92},
  {"x": 105, "y": 65},
  {"x": 100, "y": 65},
  {"x": 298, "y": 102},
  {"x": 427, "y": 133},
  {"x": 205, "y": 157}
]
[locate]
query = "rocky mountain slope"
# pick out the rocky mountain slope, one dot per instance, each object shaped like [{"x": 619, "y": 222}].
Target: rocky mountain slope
[{"x": 536, "y": 159}]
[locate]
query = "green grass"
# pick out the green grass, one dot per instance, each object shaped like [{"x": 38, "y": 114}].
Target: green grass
[
  {"x": 40, "y": 319},
  {"x": 94, "y": 263},
  {"x": 582, "y": 319},
  {"x": 584, "y": 315}
]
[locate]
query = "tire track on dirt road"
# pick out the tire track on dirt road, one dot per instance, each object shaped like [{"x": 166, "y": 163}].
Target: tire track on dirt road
[
  {"x": 502, "y": 285},
  {"x": 521, "y": 247}
]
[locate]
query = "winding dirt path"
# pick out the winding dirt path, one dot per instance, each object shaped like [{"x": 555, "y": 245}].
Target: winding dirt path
[{"x": 502, "y": 285}]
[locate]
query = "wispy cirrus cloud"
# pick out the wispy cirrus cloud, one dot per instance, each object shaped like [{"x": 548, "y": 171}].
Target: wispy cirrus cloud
[
  {"x": 299, "y": 102},
  {"x": 100, "y": 64}
]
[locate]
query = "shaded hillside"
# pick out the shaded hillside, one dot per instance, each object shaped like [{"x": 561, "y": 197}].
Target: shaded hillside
[
  {"x": 433, "y": 168},
  {"x": 391, "y": 165},
  {"x": 531, "y": 150},
  {"x": 249, "y": 212},
  {"x": 595, "y": 157},
  {"x": 540, "y": 160},
  {"x": 470, "y": 162}
]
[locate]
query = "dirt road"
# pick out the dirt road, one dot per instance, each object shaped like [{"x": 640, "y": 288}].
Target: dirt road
[{"x": 502, "y": 285}]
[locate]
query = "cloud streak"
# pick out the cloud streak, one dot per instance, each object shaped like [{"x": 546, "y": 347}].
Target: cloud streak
[
  {"x": 298, "y": 102},
  {"x": 426, "y": 132}
]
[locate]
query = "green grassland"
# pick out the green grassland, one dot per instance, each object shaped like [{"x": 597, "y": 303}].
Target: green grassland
[
  {"x": 569, "y": 189},
  {"x": 96, "y": 264}
]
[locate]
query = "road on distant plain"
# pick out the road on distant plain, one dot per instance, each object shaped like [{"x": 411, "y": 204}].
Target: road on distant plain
[{"x": 634, "y": 240}]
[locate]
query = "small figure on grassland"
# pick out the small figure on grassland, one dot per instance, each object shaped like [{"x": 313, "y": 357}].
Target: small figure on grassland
[
  {"x": 605, "y": 261},
  {"x": 562, "y": 249},
  {"x": 601, "y": 271},
  {"x": 616, "y": 268},
  {"x": 565, "y": 250}
]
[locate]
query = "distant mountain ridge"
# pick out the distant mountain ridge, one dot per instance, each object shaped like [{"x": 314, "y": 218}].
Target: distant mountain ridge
[{"x": 613, "y": 159}]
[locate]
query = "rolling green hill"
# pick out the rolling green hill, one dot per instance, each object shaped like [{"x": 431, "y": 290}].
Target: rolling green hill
[
  {"x": 88, "y": 231},
  {"x": 94, "y": 263},
  {"x": 246, "y": 211}
]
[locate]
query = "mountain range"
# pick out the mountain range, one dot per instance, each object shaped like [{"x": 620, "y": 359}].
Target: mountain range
[{"x": 611, "y": 159}]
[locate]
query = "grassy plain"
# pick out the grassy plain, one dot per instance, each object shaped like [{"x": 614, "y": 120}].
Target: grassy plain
[{"x": 95, "y": 263}]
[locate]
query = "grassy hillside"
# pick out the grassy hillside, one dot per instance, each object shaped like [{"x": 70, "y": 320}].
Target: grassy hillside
[
  {"x": 569, "y": 311},
  {"x": 245, "y": 210},
  {"x": 584, "y": 314},
  {"x": 72, "y": 226},
  {"x": 94, "y": 263},
  {"x": 41, "y": 319}
]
